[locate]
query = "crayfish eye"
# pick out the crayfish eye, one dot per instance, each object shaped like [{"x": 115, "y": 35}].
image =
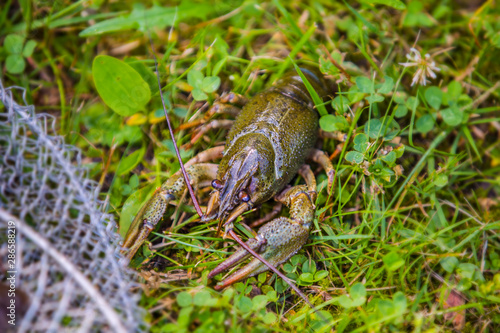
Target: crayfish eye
[
  {"x": 217, "y": 184},
  {"x": 243, "y": 196}
]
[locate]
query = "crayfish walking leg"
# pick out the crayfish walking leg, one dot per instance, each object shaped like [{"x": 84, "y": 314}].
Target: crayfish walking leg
[{"x": 152, "y": 212}]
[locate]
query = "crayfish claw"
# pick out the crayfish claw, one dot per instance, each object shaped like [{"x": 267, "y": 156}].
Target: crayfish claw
[
  {"x": 237, "y": 257},
  {"x": 276, "y": 241}
]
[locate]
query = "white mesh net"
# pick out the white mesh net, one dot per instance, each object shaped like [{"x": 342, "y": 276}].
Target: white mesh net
[{"x": 67, "y": 251}]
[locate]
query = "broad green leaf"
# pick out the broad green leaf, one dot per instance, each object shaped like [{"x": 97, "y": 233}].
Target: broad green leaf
[
  {"x": 134, "y": 181},
  {"x": 119, "y": 85},
  {"x": 354, "y": 157},
  {"x": 259, "y": 302},
  {"x": 355, "y": 95},
  {"x": 400, "y": 302},
  {"x": 449, "y": 264},
  {"x": 360, "y": 138},
  {"x": 340, "y": 104},
  {"x": 401, "y": 110},
  {"x": 122, "y": 134},
  {"x": 272, "y": 295},
  {"x": 375, "y": 98},
  {"x": 425, "y": 123},
  {"x": 365, "y": 85},
  {"x": 195, "y": 78},
  {"x": 269, "y": 318},
  {"x": 184, "y": 299},
  {"x": 361, "y": 143},
  {"x": 454, "y": 90},
  {"x": 13, "y": 44},
  {"x": 345, "y": 301},
  {"x": 321, "y": 322},
  {"x": 392, "y": 261},
  {"x": 129, "y": 162},
  {"x": 126, "y": 189},
  {"x": 466, "y": 270},
  {"x": 373, "y": 128},
  {"x": 391, "y": 130},
  {"x": 361, "y": 147},
  {"x": 307, "y": 277},
  {"x": 203, "y": 298},
  {"x": 358, "y": 291},
  {"x": 146, "y": 73},
  {"x": 464, "y": 285},
  {"x": 412, "y": 103},
  {"x": 221, "y": 46},
  {"x": 386, "y": 174},
  {"x": 132, "y": 206},
  {"x": 210, "y": 84},
  {"x": 452, "y": 116},
  {"x": 434, "y": 96},
  {"x": 331, "y": 123},
  {"x": 29, "y": 48},
  {"x": 194, "y": 246},
  {"x": 288, "y": 268},
  {"x": 298, "y": 259},
  {"x": 376, "y": 129},
  {"x": 399, "y": 151},
  {"x": 242, "y": 288},
  {"x": 387, "y": 86},
  {"x": 441, "y": 180},
  {"x": 377, "y": 167},
  {"x": 465, "y": 102},
  {"x": 385, "y": 307},
  {"x": 198, "y": 94},
  {"x": 415, "y": 17},
  {"x": 245, "y": 304},
  {"x": 320, "y": 275},
  {"x": 390, "y": 158},
  {"x": 357, "y": 296},
  {"x": 15, "y": 63},
  {"x": 183, "y": 319},
  {"x": 309, "y": 267},
  {"x": 400, "y": 97}
]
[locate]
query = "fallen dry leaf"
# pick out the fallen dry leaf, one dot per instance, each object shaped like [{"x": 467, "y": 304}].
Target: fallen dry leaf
[{"x": 454, "y": 299}]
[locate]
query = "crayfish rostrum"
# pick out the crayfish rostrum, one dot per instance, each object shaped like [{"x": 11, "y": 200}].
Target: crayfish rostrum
[{"x": 267, "y": 146}]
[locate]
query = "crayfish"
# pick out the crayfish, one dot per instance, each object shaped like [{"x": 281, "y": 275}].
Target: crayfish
[{"x": 273, "y": 135}]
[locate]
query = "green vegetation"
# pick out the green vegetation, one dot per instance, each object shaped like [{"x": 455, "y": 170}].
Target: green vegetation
[{"x": 408, "y": 241}]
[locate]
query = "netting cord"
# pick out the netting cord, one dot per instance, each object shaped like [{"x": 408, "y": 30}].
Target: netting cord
[{"x": 72, "y": 270}]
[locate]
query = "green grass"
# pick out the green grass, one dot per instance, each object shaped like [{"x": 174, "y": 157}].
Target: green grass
[{"x": 414, "y": 212}]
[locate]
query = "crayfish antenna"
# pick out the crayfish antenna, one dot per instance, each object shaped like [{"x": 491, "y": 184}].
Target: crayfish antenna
[{"x": 186, "y": 177}]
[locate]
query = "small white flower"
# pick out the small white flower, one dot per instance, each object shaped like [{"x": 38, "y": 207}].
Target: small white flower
[{"x": 426, "y": 66}]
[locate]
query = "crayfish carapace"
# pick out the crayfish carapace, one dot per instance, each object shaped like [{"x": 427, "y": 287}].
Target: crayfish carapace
[{"x": 267, "y": 146}]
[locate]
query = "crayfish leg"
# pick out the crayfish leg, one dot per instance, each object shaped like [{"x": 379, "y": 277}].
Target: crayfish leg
[
  {"x": 227, "y": 103},
  {"x": 324, "y": 161},
  {"x": 152, "y": 212}
]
